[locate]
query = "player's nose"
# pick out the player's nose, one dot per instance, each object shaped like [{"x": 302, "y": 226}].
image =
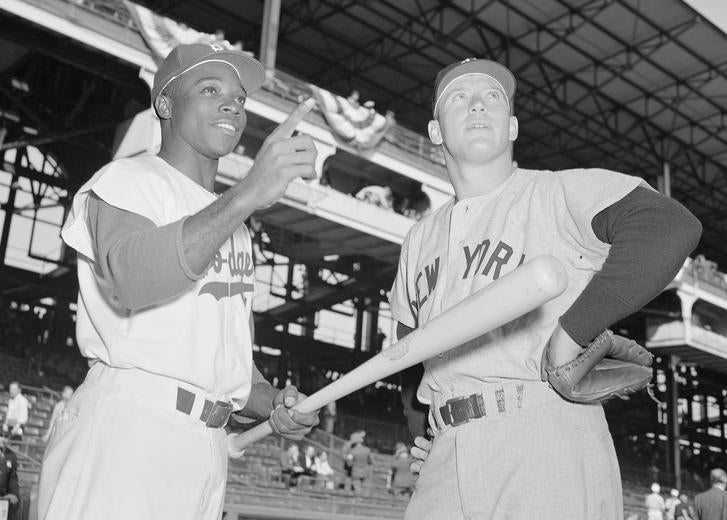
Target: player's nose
[
  {"x": 229, "y": 105},
  {"x": 477, "y": 104}
]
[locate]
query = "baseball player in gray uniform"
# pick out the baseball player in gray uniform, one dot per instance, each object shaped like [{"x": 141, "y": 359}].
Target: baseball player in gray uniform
[
  {"x": 519, "y": 431},
  {"x": 166, "y": 279}
]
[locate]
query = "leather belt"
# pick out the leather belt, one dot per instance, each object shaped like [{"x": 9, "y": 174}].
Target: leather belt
[
  {"x": 461, "y": 410},
  {"x": 494, "y": 400},
  {"x": 214, "y": 414}
]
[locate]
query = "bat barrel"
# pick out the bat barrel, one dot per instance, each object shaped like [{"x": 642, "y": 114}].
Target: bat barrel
[{"x": 549, "y": 275}]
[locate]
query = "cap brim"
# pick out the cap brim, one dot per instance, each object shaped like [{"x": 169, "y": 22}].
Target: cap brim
[
  {"x": 495, "y": 70},
  {"x": 249, "y": 71}
]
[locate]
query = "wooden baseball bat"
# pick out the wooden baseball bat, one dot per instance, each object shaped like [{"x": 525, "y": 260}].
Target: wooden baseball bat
[{"x": 517, "y": 293}]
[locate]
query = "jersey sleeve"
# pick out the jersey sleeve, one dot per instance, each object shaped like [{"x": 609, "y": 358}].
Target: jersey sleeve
[
  {"x": 399, "y": 297},
  {"x": 579, "y": 195},
  {"x": 143, "y": 263},
  {"x": 125, "y": 184}
]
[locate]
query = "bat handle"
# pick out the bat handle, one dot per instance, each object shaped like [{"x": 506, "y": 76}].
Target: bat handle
[{"x": 237, "y": 442}]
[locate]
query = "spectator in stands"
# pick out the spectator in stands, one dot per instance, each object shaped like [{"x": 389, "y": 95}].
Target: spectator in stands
[
  {"x": 355, "y": 437},
  {"x": 416, "y": 204},
  {"x": 17, "y": 415},
  {"x": 401, "y": 479},
  {"x": 671, "y": 503},
  {"x": 291, "y": 467},
  {"x": 380, "y": 196},
  {"x": 309, "y": 461},
  {"x": 9, "y": 487},
  {"x": 684, "y": 510},
  {"x": 58, "y": 410},
  {"x": 655, "y": 503},
  {"x": 361, "y": 464},
  {"x": 324, "y": 471},
  {"x": 712, "y": 504}
]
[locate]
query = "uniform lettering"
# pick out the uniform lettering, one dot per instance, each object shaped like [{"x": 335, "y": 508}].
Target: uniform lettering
[
  {"x": 493, "y": 261},
  {"x": 498, "y": 258},
  {"x": 470, "y": 257},
  {"x": 432, "y": 273},
  {"x": 420, "y": 299},
  {"x": 485, "y": 248},
  {"x": 239, "y": 265}
]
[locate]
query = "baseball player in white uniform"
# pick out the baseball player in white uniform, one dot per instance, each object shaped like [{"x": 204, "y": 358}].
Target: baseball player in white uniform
[
  {"x": 506, "y": 443},
  {"x": 166, "y": 275}
]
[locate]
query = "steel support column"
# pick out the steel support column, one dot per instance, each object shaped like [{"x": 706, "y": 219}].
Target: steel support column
[
  {"x": 269, "y": 37},
  {"x": 9, "y": 208},
  {"x": 673, "y": 456}
]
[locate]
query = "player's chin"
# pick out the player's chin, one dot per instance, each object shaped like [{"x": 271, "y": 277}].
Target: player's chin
[{"x": 221, "y": 148}]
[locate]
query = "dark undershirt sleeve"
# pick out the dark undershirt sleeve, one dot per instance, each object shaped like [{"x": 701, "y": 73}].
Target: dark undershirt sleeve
[
  {"x": 650, "y": 235},
  {"x": 144, "y": 264}
]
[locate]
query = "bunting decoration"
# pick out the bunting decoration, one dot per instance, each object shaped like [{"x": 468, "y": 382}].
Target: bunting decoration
[
  {"x": 354, "y": 124},
  {"x": 162, "y": 34}
]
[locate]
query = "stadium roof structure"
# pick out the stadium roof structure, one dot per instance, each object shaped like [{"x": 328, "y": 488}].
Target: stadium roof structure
[{"x": 635, "y": 86}]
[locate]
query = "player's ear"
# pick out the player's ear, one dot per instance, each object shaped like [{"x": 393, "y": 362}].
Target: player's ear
[
  {"x": 163, "y": 106},
  {"x": 514, "y": 127},
  {"x": 435, "y": 133}
]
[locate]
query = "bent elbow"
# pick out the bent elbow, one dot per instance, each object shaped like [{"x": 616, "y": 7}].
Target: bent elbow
[{"x": 688, "y": 230}]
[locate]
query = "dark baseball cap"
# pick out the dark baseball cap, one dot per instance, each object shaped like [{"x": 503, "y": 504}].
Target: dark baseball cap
[
  {"x": 185, "y": 57},
  {"x": 469, "y": 66}
]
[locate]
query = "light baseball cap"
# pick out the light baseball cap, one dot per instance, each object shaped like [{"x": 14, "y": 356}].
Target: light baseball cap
[
  {"x": 473, "y": 66},
  {"x": 185, "y": 57}
]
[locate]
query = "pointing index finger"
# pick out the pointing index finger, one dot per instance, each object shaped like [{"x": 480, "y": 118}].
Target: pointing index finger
[{"x": 287, "y": 127}]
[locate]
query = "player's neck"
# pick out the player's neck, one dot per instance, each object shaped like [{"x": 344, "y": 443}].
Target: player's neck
[
  {"x": 198, "y": 168},
  {"x": 476, "y": 179}
]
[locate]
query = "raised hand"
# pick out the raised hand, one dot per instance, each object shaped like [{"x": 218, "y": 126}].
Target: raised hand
[{"x": 281, "y": 159}]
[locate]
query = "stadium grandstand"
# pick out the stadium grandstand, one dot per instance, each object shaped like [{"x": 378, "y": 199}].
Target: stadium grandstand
[{"x": 634, "y": 86}]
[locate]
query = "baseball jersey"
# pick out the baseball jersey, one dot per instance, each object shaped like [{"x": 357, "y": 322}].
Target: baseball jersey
[
  {"x": 201, "y": 336},
  {"x": 466, "y": 245}
]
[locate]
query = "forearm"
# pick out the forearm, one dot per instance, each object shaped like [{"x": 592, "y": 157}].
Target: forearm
[
  {"x": 640, "y": 263},
  {"x": 204, "y": 232},
  {"x": 260, "y": 403}
]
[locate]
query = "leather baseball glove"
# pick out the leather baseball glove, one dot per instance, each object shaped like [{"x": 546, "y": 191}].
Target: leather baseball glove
[{"x": 591, "y": 377}]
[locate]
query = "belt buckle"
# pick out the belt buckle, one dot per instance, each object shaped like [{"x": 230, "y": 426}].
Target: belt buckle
[
  {"x": 459, "y": 410},
  {"x": 219, "y": 414}
]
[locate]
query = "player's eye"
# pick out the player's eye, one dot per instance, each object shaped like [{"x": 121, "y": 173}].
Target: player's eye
[
  {"x": 209, "y": 89},
  {"x": 241, "y": 99},
  {"x": 458, "y": 96},
  {"x": 494, "y": 95}
]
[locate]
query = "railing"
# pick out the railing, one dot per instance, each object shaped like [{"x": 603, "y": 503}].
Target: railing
[
  {"x": 29, "y": 452},
  {"x": 112, "y": 10},
  {"x": 43, "y": 391}
]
